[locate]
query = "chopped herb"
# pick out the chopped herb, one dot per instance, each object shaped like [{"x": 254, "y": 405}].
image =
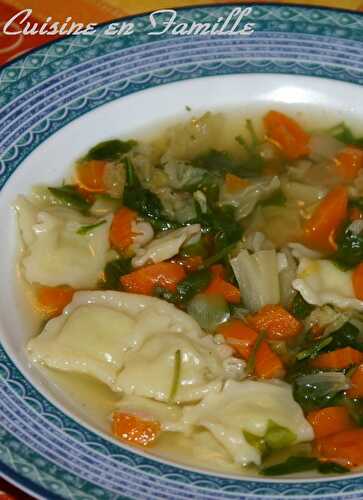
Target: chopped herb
[
  {"x": 90, "y": 227},
  {"x": 194, "y": 283},
  {"x": 113, "y": 272},
  {"x": 110, "y": 150},
  {"x": 250, "y": 366},
  {"x": 70, "y": 197},
  {"x": 350, "y": 248},
  {"x": 278, "y": 199},
  {"x": 188, "y": 108},
  {"x": 176, "y": 376},
  {"x": 292, "y": 465},
  {"x": 300, "y": 308},
  {"x": 312, "y": 351}
]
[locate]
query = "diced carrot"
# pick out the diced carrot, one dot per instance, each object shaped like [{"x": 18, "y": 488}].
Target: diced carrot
[
  {"x": 145, "y": 279},
  {"x": 191, "y": 263},
  {"x": 349, "y": 162},
  {"x": 287, "y": 134},
  {"x": 321, "y": 228},
  {"x": 52, "y": 300},
  {"x": 135, "y": 430},
  {"x": 338, "y": 359},
  {"x": 239, "y": 335},
  {"x": 357, "y": 279},
  {"x": 331, "y": 420},
  {"x": 356, "y": 391},
  {"x": 90, "y": 176},
  {"x": 218, "y": 285},
  {"x": 344, "y": 448},
  {"x": 355, "y": 214},
  {"x": 278, "y": 323},
  {"x": 234, "y": 183},
  {"x": 121, "y": 235},
  {"x": 267, "y": 363}
]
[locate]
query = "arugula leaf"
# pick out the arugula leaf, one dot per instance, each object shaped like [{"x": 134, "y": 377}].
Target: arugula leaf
[
  {"x": 88, "y": 228},
  {"x": 300, "y": 308},
  {"x": 113, "y": 272},
  {"x": 110, "y": 150},
  {"x": 313, "y": 351},
  {"x": 70, "y": 197},
  {"x": 194, "y": 283},
  {"x": 350, "y": 247},
  {"x": 276, "y": 199},
  {"x": 343, "y": 133},
  {"x": 347, "y": 335},
  {"x": 291, "y": 466}
]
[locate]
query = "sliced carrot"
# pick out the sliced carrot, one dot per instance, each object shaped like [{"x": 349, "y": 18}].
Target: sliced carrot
[
  {"x": 218, "y": 285},
  {"x": 239, "y": 335},
  {"x": 145, "y": 279},
  {"x": 344, "y": 448},
  {"x": 357, "y": 279},
  {"x": 52, "y": 300},
  {"x": 338, "y": 359},
  {"x": 349, "y": 162},
  {"x": 234, "y": 183},
  {"x": 355, "y": 214},
  {"x": 267, "y": 363},
  {"x": 321, "y": 228},
  {"x": 356, "y": 391},
  {"x": 121, "y": 235},
  {"x": 331, "y": 420},
  {"x": 287, "y": 134},
  {"x": 135, "y": 430},
  {"x": 90, "y": 176},
  {"x": 278, "y": 323}
]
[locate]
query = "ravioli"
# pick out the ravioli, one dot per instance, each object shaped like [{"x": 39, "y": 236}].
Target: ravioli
[
  {"x": 55, "y": 253},
  {"x": 130, "y": 342},
  {"x": 248, "y": 406}
]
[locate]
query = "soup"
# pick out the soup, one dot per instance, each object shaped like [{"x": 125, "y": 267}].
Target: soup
[{"x": 201, "y": 292}]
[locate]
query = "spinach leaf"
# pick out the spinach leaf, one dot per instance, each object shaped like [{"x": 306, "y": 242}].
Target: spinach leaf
[
  {"x": 291, "y": 466},
  {"x": 343, "y": 133},
  {"x": 276, "y": 199},
  {"x": 110, "y": 150},
  {"x": 194, "y": 283},
  {"x": 300, "y": 308},
  {"x": 113, "y": 272},
  {"x": 219, "y": 161},
  {"x": 90, "y": 227},
  {"x": 319, "y": 390},
  {"x": 163, "y": 293},
  {"x": 331, "y": 468},
  {"x": 312, "y": 351},
  {"x": 70, "y": 197},
  {"x": 347, "y": 335},
  {"x": 350, "y": 247}
]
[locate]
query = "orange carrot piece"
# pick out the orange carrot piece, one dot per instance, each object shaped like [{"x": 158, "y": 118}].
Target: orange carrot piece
[
  {"x": 357, "y": 279},
  {"x": 349, "y": 162},
  {"x": 52, "y": 300},
  {"x": 356, "y": 391},
  {"x": 287, "y": 134},
  {"x": 219, "y": 286},
  {"x": 321, "y": 228},
  {"x": 239, "y": 335},
  {"x": 328, "y": 421},
  {"x": 267, "y": 363},
  {"x": 338, "y": 359},
  {"x": 278, "y": 323},
  {"x": 90, "y": 176},
  {"x": 121, "y": 235},
  {"x": 344, "y": 448},
  {"x": 355, "y": 214},
  {"x": 134, "y": 430},
  {"x": 145, "y": 279},
  {"x": 234, "y": 183}
]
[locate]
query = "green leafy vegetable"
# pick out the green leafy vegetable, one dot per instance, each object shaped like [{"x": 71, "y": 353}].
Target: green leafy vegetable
[
  {"x": 110, "y": 150},
  {"x": 250, "y": 366},
  {"x": 343, "y": 133},
  {"x": 277, "y": 437},
  {"x": 194, "y": 283},
  {"x": 350, "y": 247},
  {"x": 331, "y": 468},
  {"x": 163, "y": 293},
  {"x": 219, "y": 161},
  {"x": 312, "y": 351},
  {"x": 70, "y": 197},
  {"x": 255, "y": 441},
  {"x": 292, "y": 465},
  {"x": 319, "y": 390},
  {"x": 347, "y": 335},
  {"x": 194, "y": 249},
  {"x": 278, "y": 199},
  {"x": 355, "y": 409},
  {"x": 113, "y": 272},
  {"x": 300, "y": 308},
  {"x": 90, "y": 227},
  {"x": 218, "y": 256},
  {"x": 176, "y": 376},
  {"x": 209, "y": 310}
]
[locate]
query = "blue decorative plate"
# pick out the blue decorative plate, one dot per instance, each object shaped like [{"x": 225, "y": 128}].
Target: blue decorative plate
[{"x": 47, "y": 93}]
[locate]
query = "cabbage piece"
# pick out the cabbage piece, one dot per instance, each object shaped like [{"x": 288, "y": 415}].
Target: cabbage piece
[
  {"x": 165, "y": 246},
  {"x": 57, "y": 251},
  {"x": 323, "y": 282},
  {"x": 258, "y": 278},
  {"x": 248, "y": 406},
  {"x": 182, "y": 175},
  {"x": 247, "y": 198},
  {"x": 119, "y": 337},
  {"x": 302, "y": 193},
  {"x": 287, "y": 273}
]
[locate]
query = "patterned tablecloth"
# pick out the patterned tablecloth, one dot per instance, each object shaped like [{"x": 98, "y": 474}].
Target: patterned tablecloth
[{"x": 92, "y": 11}]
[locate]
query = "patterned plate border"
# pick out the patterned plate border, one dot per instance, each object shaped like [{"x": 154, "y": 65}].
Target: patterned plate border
[{"x": 41, "y": 448}]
